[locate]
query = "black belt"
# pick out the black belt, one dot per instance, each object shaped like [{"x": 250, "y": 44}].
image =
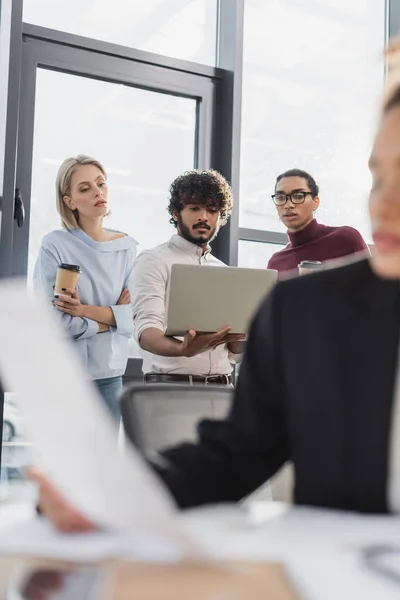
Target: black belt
[{"x": 189, "y": 379}]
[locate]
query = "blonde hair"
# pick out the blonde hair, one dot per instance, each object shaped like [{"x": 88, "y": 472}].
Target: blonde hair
[{"x": 69, "y": 217}]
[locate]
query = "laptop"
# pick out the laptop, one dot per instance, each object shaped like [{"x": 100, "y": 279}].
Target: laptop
[{"x": 208, "y": 298}]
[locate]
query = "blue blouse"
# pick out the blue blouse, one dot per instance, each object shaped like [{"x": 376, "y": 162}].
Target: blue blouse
[{"x": 106, "y": 271}]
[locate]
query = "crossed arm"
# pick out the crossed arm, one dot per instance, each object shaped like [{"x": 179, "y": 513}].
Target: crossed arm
[{"x": 70, "y": 304}]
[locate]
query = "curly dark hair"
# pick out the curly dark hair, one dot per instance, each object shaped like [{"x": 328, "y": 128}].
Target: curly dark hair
[
  {"x": 208, "y": 188},
  {"x": 312, "y": 184}
]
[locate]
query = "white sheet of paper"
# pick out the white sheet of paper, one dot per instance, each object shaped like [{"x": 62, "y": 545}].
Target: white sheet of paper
[
  {"x": 36, "y": 537},
  {"x": 275, "y": 531},
  {"x": 68, "y": 423}
]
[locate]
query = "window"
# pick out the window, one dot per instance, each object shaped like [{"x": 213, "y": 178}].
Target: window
[
  {"x": 255, "y": 255},
  {"x": 312, "y": 80},
  {"x": 131, "y": 131},
  {"x": 185, "y": 30}
]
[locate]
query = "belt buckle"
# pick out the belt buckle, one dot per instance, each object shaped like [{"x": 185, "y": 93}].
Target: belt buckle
[{"x": 216, "y": 378}]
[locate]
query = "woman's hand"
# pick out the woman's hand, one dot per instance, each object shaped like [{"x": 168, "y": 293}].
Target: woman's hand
[
  {"x": 69, "y": 303},
  {"x": 56, "y": 508},
  {"x": 125, "y": 297}
]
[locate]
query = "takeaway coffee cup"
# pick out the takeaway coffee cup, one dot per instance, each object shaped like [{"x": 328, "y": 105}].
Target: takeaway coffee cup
[
  {"x": 309, "y": 266},
  {"x": 67, "y": 277}
]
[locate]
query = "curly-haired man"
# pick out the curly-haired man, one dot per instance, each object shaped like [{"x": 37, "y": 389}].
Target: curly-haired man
[{"x": 200, "y": 203}]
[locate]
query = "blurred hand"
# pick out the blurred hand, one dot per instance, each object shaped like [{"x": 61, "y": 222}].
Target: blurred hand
[
  {"x": 70, "y": 305},
  {"x": 125, "y": 297},
  {"x": 196, "y": 343},
  {"x": 42, "y": 584},
  {"x": 57, "y": 509}
]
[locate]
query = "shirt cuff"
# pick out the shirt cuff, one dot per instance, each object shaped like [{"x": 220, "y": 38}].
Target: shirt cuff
[
  {"x": 123, "y": 318},
  {"x": 139, "y": 328},
  {"x": 91, "y": 329},
  {"x": 235, "y": 358}
]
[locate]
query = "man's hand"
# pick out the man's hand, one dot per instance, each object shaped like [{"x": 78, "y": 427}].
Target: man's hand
[
  {"x": 57, "y": 509},
  {"x": 196, "y": 343},
  {"x": 125, "y": 297},
  {"x": 155, "y": 341},
  {"x": 69, "y": 303}
]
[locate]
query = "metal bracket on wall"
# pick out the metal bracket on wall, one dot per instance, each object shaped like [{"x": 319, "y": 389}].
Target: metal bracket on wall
[{"x": 19, "y": 209}]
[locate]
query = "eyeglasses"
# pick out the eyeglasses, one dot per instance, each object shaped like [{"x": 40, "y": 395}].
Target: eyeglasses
[{"x": 280, "y": 198}]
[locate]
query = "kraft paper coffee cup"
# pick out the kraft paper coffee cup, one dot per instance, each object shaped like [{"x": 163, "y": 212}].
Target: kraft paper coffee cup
[
  {"x": 309, "y": 266},
  {"x": 67, "y": 277}
]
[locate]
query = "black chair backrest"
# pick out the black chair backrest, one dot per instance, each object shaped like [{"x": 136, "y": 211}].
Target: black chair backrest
[{"x": 159, "y": 415}]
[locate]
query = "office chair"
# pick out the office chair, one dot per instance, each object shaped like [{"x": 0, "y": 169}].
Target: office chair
[{"x": 156, "y": 416}]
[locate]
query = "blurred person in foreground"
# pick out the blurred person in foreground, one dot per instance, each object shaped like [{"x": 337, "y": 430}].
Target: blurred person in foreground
[
  {"x": 319, "y": 384},
  {"x": 296, "y": 198}
]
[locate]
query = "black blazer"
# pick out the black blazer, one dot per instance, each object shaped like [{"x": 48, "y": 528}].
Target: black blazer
[{"x": 315, "y": 387}]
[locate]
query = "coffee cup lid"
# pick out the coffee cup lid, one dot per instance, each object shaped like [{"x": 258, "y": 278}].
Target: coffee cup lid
[
  {"x": 310, "y": 264},
  {"x": 67, "y": 267}
]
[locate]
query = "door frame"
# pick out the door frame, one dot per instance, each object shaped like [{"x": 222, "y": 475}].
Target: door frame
[{"x": 10, "y": 18}]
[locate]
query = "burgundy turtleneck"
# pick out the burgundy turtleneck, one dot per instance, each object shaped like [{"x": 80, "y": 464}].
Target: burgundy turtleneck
[{"x": 316, "y": 242}]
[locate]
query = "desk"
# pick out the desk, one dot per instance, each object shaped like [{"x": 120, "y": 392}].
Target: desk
[
  {"x": 320, "y": 550},
  {"x": 229, "y": 581}
]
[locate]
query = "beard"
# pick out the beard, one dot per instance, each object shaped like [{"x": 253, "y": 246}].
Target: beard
[{"x": 198, "y": 240}]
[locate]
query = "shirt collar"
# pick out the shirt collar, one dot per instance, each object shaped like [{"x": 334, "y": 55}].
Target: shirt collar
[
  {"x": 311, "y": 232},
  {"x": 193, "y": 249},
  {"x": 122, "y": 243}
]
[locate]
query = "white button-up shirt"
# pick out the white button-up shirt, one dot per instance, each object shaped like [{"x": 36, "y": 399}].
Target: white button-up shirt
[{"x": 150, "y": 285}]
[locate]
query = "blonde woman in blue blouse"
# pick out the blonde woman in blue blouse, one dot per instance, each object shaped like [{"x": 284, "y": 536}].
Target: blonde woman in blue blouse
[{"x": 98, "y": 315}]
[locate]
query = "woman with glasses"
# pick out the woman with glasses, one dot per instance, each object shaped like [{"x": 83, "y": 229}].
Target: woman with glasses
[{"x": 296, "y": 200}]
